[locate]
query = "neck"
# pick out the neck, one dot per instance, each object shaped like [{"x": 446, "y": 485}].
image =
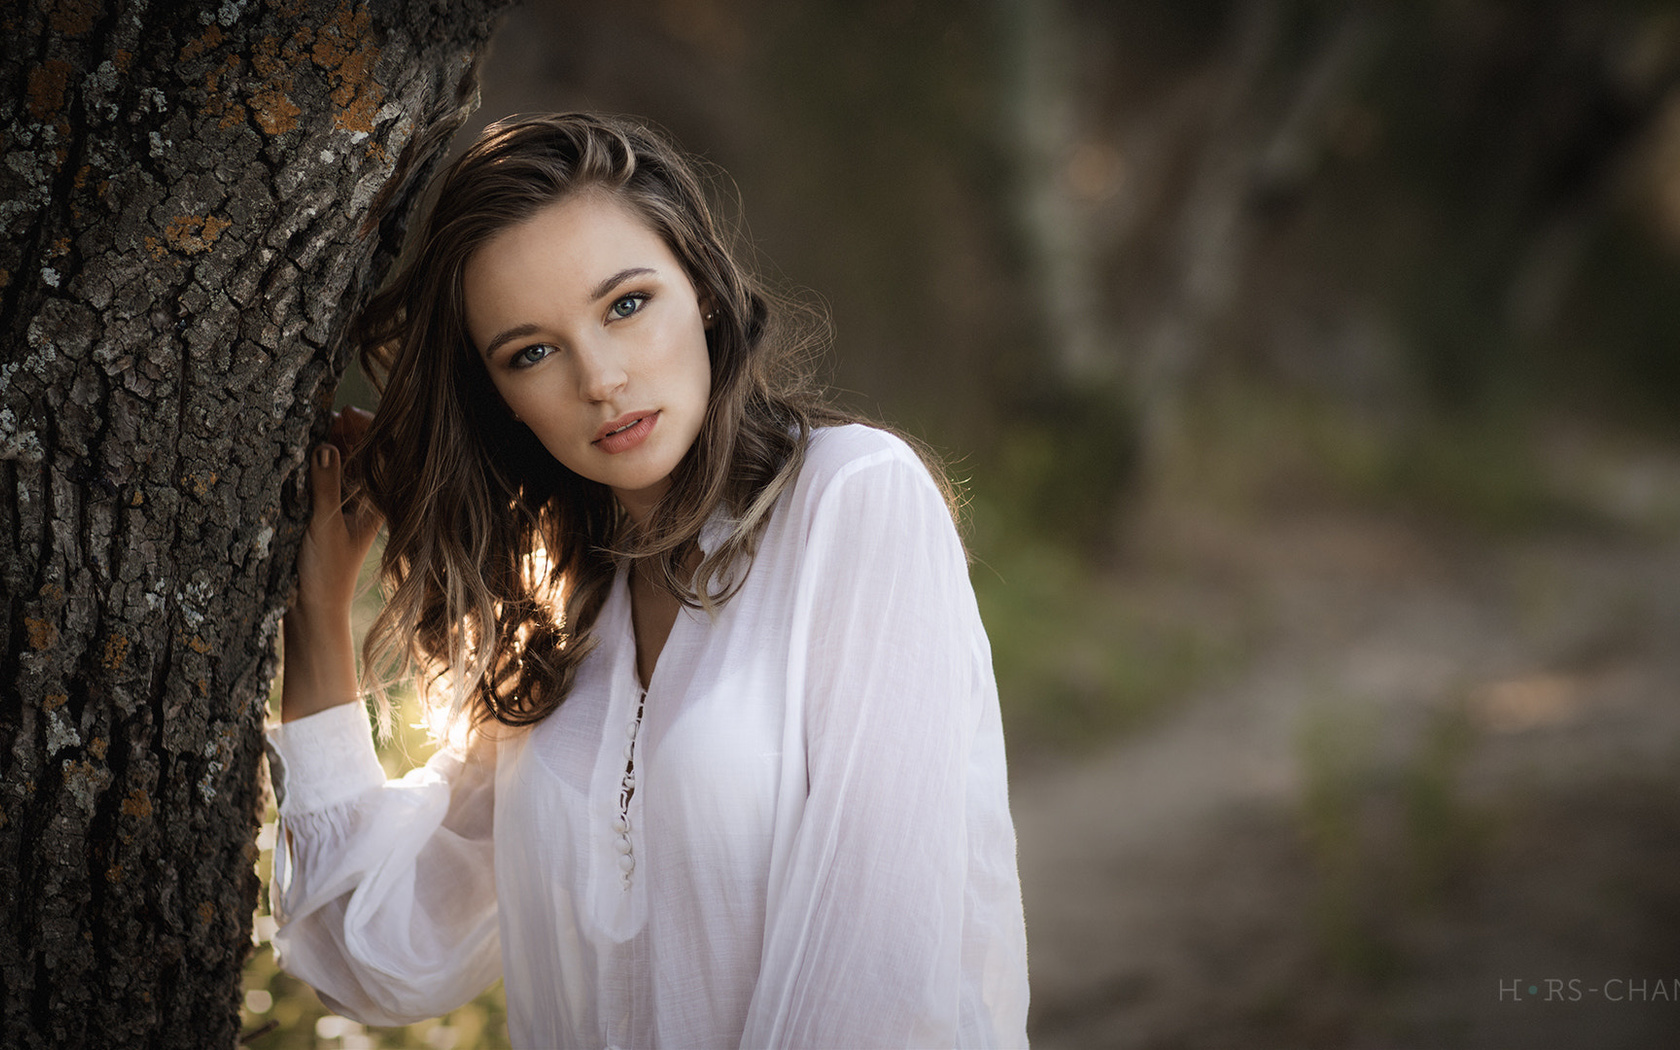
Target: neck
[{"x": 639, "y": 503}]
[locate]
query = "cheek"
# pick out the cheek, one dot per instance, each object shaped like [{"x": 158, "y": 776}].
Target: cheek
[{"x": 700, "y": 362}]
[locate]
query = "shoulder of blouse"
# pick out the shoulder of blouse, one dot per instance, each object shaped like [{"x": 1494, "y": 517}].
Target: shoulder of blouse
[
  {"x": 863, "y": 479},
  {"x": 836, "y": 452}
]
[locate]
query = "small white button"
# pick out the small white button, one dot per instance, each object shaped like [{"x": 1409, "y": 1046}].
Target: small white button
[
  {"x": 629, "y": 780},
  {"x": 627, "y": 863},
  {"x": 624, "y": 844},
  {"x": 620, "y": 825},
  {"x": 634, "y": 726},
  {"x": 629, "y": 751}
]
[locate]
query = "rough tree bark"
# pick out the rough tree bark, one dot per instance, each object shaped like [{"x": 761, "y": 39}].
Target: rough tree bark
[{"x": 192, "y": 200}]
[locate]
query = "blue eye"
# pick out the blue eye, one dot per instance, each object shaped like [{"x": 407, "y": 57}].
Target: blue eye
[
  {"x": 530, "y": 355},
  {"x": 627, "y": 305}
]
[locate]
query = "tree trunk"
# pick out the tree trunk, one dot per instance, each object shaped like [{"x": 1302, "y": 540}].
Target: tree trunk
[{"x": 193, "y": 199}]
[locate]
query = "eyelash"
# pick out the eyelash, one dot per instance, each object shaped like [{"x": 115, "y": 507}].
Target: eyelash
[
  {"x": 520, "y": 360},
  {"x": 638, "y": 298}
]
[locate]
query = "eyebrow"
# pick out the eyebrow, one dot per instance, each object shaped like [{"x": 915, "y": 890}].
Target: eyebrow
[
  {"x": 611, "y": 282},
  {"x": 517, "y": 332},
  {"x": 597, "y": 293}
]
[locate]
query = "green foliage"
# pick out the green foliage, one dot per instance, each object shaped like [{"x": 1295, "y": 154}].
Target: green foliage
[
  {"x": 1249, "y": 446},
  {"x": 1078, "y": 657},
  {"x": 1067, "y": 463},
  {"x": 1390, "y": 835}
]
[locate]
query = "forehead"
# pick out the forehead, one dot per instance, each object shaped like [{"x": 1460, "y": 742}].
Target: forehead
[{"x": 572, "y": 243}]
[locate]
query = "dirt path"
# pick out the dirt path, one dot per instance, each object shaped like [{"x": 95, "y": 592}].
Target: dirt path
[{"x": 1448, "y": 771}]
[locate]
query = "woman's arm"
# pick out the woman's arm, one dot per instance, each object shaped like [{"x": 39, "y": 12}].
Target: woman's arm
[
  {"x": 385, "y": 891},
  {"x": 320, "y": 655}
]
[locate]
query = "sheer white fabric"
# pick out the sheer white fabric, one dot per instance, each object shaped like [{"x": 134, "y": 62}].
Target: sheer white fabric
[{"x": 819, "y": 847}]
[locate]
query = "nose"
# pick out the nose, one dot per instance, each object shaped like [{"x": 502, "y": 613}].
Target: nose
[{"x": 600, "y": 375}]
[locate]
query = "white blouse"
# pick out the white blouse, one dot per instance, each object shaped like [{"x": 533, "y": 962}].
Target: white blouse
[{"x": 816, "y": 852}]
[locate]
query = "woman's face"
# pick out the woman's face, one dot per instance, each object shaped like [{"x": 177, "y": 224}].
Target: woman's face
[{"x": 594, "y": 336}]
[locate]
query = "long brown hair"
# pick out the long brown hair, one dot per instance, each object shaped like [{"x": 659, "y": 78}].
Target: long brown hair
[{"x": 498, "y": 558}]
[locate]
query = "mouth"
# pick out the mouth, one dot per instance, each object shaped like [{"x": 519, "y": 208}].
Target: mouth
[{"x": 625, "y": 432}]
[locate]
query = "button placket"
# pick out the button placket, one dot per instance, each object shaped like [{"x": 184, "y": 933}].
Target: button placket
[{"x": 626, "y": 791}]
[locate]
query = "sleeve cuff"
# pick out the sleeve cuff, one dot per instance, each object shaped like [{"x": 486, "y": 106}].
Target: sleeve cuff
[{"x": 322, "y": 760}]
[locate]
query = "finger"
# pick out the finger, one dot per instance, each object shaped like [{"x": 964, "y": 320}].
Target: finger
[{"x": 324, "y": 484}]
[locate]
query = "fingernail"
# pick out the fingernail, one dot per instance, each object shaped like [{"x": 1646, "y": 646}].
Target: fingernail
[{"x": 323, "y": 456}]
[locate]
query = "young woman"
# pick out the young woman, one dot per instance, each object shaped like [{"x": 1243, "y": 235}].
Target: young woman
[{"x": 726, "y": 766}]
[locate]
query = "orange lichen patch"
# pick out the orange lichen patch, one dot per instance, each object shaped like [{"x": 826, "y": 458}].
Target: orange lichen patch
[
  {"x": 122, "y": 60},
  {"x": 41, "y": 633},
  {"x": 206, "y": 912},
  {"x": 81, "y": 176},
  {"x": 116, "y": 651},
  {"x": 52, "y": 592},
  {"x": 276, "y": 114},
  {"x": 200, "y": 484},
  {"x": 137, "y": 499},
  {"x": 192, "y": 234},
  {"x": 359, "y": 109},
  {"x": 212, "y": 38},
  {"x": 61, "y": 246},
  {"x": 342, "y": 49},
  {"x": 98, "y": 746},
  {"x": 215, "y": 103},
  {"x": 266, "y": 58},
  {"x": 5, "y": 278},
  {"x": 137, "y": 805},
  {"x": 114, "y": 874},
  {"x": 198, "y": 645},
  {"x": 54, "y": 701},
  {"x": 47, "y": 82},
  {"x": 71, "y": 17},
  {"x": 202, "y": 686}
]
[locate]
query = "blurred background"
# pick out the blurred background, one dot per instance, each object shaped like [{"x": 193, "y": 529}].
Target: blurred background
[{"x": 1311, "y": 371}]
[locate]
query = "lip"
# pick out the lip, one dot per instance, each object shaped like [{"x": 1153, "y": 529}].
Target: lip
[{"x": 625, "y": 440}]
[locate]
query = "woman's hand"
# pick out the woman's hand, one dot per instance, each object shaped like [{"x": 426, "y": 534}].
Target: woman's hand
[
  {"x": 320, "y": 655},
  {"x": 342, "y": 527}
]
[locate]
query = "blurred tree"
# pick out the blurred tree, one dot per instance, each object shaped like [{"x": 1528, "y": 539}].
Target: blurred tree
[
  {"x": 1387, "y": 202},
  {"x": 194, "y": 197}
]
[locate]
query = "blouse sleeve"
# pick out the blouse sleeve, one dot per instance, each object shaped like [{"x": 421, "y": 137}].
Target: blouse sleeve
[
  {"x": 896, "y": 921},
  {"x": 384, "y": 890}
]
